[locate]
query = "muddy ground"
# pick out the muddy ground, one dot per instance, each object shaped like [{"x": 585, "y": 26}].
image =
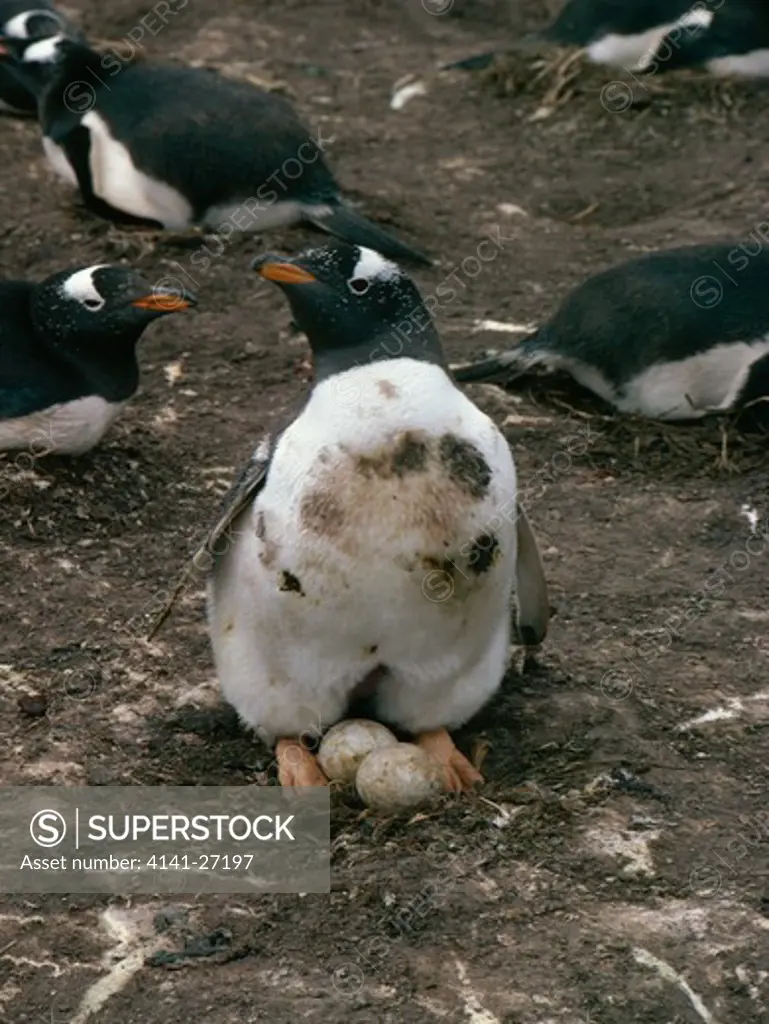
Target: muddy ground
[{"x": 613, "y": 867}]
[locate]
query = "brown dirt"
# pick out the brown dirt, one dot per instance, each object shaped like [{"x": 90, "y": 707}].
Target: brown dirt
[{"x": 604, "y": 833}]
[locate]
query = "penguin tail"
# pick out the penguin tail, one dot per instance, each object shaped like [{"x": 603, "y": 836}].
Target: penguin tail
[
  {"x": 502, "y": 366},
  {"x": 341, "y": 220}
]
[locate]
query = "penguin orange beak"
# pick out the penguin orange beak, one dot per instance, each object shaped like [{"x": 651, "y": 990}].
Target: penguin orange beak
[
  {"x": 164, "y": 302},
  {"x": 284, "y": 273}
]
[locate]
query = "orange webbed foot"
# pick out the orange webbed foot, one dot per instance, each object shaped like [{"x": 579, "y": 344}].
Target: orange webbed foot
[
  {"x": 459, "y": 776},
  {"x": 297, "y": 766}
]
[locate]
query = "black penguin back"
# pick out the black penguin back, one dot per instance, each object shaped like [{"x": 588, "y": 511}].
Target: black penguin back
[
  {"x": 211, "y": 138},
  {"x": 664, "y": 307},
  {"x": 582, "y": 22}
]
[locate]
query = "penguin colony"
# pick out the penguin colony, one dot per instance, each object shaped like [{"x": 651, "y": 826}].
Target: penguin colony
[{"x": 325, "y": 551}]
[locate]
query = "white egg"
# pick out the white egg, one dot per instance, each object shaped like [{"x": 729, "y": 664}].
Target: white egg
[
  {"x": 346, "y": 744},
  {"x": 398, "y": 778}
]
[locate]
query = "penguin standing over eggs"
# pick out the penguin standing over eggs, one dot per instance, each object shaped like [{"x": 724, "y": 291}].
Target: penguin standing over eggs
[
  {"x": 175, "y": 147},
  {"x": 371, "y": 548}
]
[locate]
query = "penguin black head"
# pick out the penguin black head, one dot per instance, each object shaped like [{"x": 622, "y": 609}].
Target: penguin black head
[
  {"x": 33, "y": 60},
  {"x": 33, "y": 24},
  {"x": 79, "y": 308},
  {"x": 354, "y": 305}
]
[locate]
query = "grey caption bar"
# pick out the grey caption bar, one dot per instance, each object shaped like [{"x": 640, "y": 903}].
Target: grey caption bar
[{"x": 165, "y": 839}]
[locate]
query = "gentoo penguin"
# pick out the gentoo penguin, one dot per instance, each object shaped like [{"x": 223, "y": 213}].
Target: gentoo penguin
[
  {"x": 735, "y": 43},
  {"x": 177, "y": 147},
  {"x": 618, "y": 33},
  {"x": 68, "y": 354},
  {"x": 27, "y": 19},
  {"x": 673, "y": 335},
  {"x": 372, "y": 546}
]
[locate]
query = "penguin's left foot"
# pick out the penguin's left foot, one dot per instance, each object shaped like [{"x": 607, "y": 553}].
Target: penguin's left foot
[
  {"x": 297, "y": 766},
  {"x": 459, "y": 776}
]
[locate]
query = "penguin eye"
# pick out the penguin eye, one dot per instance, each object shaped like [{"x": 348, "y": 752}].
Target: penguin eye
[
  {"x": 358, "y": 285},
  {"x": 93, "y": 303}
]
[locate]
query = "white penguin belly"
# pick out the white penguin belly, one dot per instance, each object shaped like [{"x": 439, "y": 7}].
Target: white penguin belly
[
  {"x": 67, "y": 429},
  {"x": 625, "y": 51},
  {"x": 59, "y": 163},
  {"x": 117, "y": 181},
  {"x": 692, "y": 388},
  {"x": 369, "y": 547},
  {"x": 637, "y": 51},
  {"x": 251, "y": 214},
  {"x": 745, "y": 65}
]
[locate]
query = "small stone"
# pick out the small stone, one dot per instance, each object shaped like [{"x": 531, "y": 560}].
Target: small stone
[{"x": 34, "y": 705}]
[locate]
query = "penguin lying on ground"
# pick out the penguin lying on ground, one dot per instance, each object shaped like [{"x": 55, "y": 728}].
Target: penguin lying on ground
[
  {"x": 27, "y": 19},
  {"x": 673, "y": 335},
  {"x": 372, "y": 547},
  {"x": 68, "y": 354},
  {"x": 177, "y": 147},
  {"x": 734, "y": 43},
  {"x": 619, "y": 33}
]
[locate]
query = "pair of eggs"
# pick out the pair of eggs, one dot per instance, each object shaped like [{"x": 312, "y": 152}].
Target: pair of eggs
[{"x": 389, "y": 776}]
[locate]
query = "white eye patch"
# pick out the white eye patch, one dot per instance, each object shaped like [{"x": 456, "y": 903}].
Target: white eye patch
[
  {"x": 81, "y": 288},
  {"x": 18, "y": 26},
  {"x": 373, "y": 267},
  {"x": 43, "y": 52}
]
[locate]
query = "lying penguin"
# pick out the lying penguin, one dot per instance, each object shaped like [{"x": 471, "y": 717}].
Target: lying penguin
[
  {"x": 668, "y": 336},
  {"x": 618, "y": 33},
  {"x": 734, "y": 43},
  {"x": 177, "y": 147},
  {"x": 68, "y": 354},
  {"x": 27, "y": 19},
  {"x": 371, "y": 547}
]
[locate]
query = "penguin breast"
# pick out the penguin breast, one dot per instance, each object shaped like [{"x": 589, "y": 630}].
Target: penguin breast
[{"x": 117, "y": 180}]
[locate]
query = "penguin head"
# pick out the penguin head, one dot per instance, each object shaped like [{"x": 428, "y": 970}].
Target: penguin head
[
  {"x": 86, "y": 306},
  {"x": 32, "y": 24},
  {"x": 33, "y": 60},
  {"x": 353, "y": 304}
]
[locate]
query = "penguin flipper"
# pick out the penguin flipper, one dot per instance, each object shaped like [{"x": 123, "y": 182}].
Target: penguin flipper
[
  {"x": 242, "y": 492},
  {"x": 239, "y": 496},
  {"x": 531, "y": 585},
  {"x": 342, "y": 221}
]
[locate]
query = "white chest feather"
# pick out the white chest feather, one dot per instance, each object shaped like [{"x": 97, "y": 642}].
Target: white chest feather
[
  {"x": 694, "y": 387},
  {"x": 68, "y": 429},
  {"x": 385, "y": 535},
  {"x": 117, "y": 180},
  {"x": 746, "y": 65},
  {"x": 688, "y": 389},
  {"x": 637, "y": 51},
  {"x": 624, "y": 51},
  {"x": 58, "y": 161}
]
